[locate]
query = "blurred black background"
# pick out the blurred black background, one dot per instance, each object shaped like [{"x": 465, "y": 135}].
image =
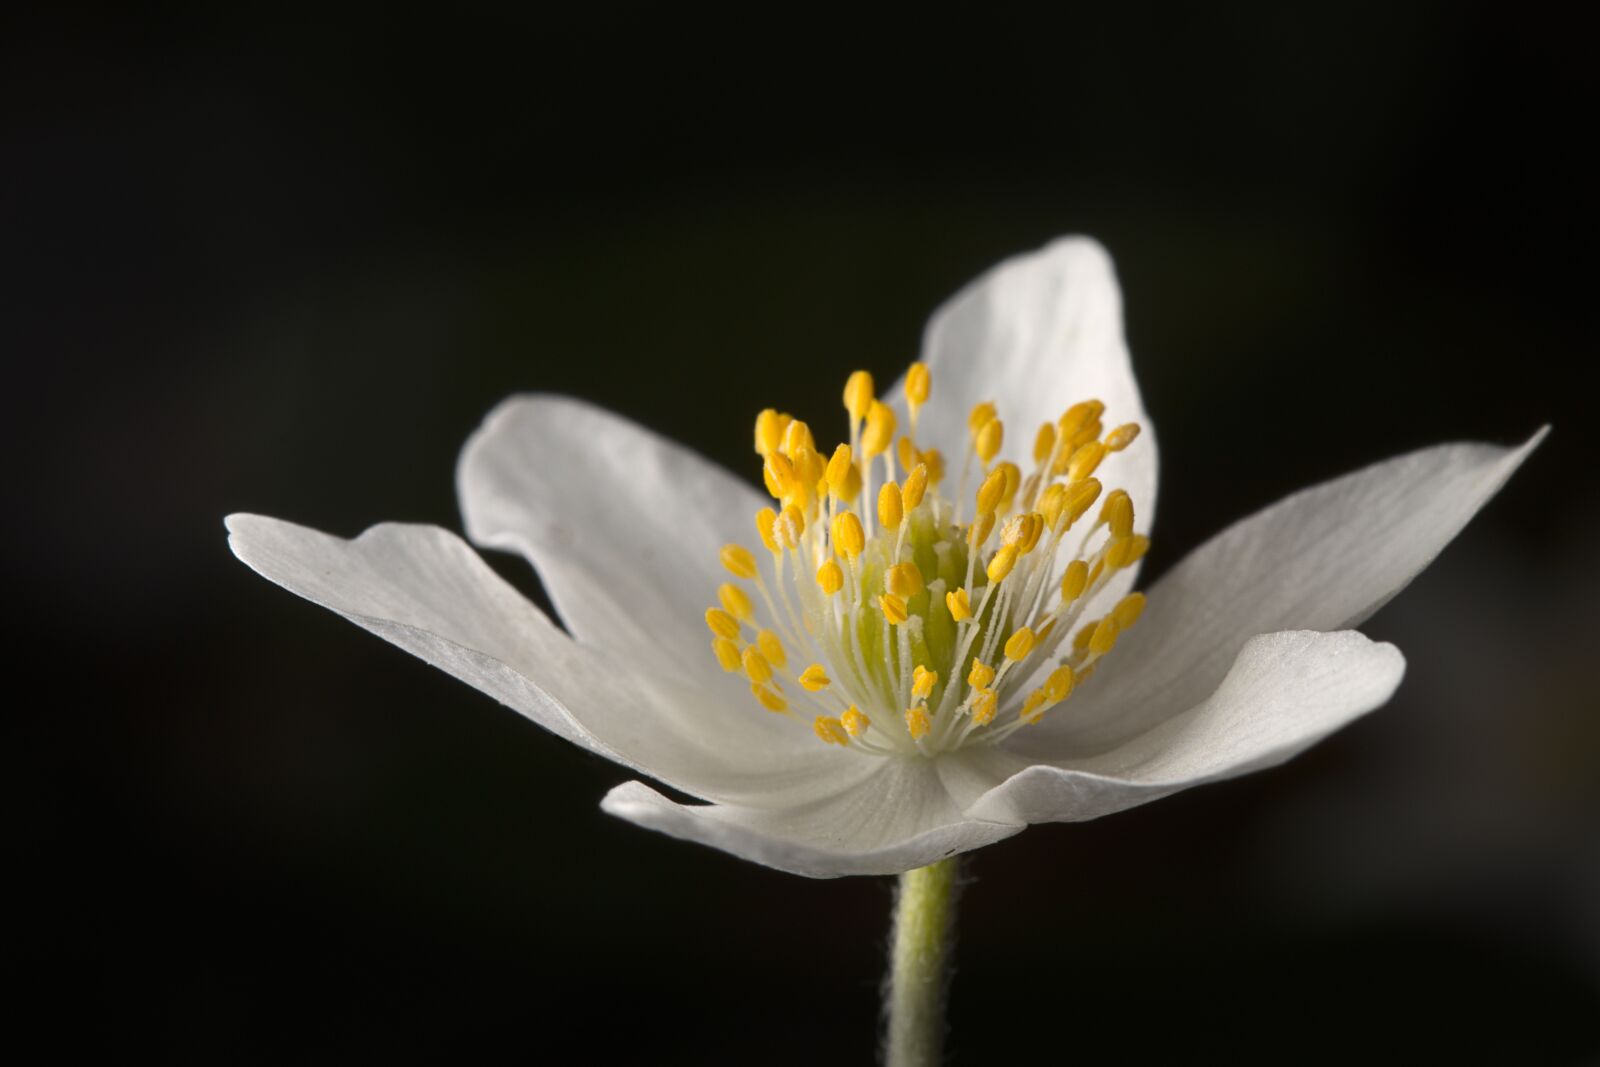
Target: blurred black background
[{"x": 279, "y": 260}]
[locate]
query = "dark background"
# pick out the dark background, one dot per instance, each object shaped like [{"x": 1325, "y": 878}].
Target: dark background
[{"x": 259, "y": 260}]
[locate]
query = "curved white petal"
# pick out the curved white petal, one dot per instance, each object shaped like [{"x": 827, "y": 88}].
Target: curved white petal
[
  {"x": 898, "y": 818},
  {"x": 424, "y": 589},
  {"x": 623, "y": 525},
  {"x": 1285, "y": 692},
  {"x": 1324, "y": 558},
  {"x": 1036, "y": 334}
]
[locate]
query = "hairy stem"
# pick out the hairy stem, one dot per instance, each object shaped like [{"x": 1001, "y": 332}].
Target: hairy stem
[{"x": 919, "y": 965}]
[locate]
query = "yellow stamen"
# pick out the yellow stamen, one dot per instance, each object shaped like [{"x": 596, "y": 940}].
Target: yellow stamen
[
  {"x": 894, "y": 609},
  {"x": 858, "y": 395},
  {"x": 878, "y": 435},
  {"x": 848, "y": 536},
  {"x": 1013, "y": 476},
  {"x": 838, "y": 470},
  {"x": 992, "y": 489},
  {"x": 1073, "y": 581},
  {"x": 766, "y": 526},
  {"x": 756, "y": 666},
  {"x": 1019, "y": 644},
  {"x": 989, "y": 439},
  {"x": 739, "y": 561},
  {"x": 1032, "y": 707},
  {"x": 982, "y": 527},
  {"x": 960, "y": 607},
  {"x": 791, "y": 524},
  {"x": 1052, "y": 502},
  {"x": 1122, "y": 437},
  {"x": 984, "y": 706},
  {"x": 735, "y": 601},
  {"x": 1104, "y": 638},
  {"x": 854, "y": 722},
  {"x": 917, "y": 386},
  {"x": 916, "y": 485},
  {"x": 769, "y": 431},
  {"x": 1084, "y": 461},
  {"x": 1127, "y": 552},
  {"x": 721, "y": 623},
  {"x": 769, "y": 700},
  {"x": 1080, "y": 498},
  {"x": 831, "y": 730},
  {"x": 980, "y": 415},
  {"x": 1058, "y": 686},
  {"x": 772, "y": 649},
  {"x": 889, "y": 506},
  {"x": 797, "y": 437},
  {"x": 1128, "y": 610},
  {"x": 1001, "y": 564},
  {"x": 904, "y": 580},
  {"x": 814, "y": 677},
  {"x": 779, "y": 475},
  {"x": 727, "y": 654},
  {"x": 933, "y": 459},
  {"x": 917, "y": 722},
  {"x": 923, "y": 681},
  {"x": 981, "y": 675},
  {"x": 1044, "y": 442},
  {"x": 1117, "y": 513},
  {"x": 830, "y": 577}
]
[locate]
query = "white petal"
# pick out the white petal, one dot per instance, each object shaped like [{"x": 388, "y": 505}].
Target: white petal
[
  {"x": 1324, "y": 558},
  {"x": 424, "y": 589},
  {"x": 1036, "y": 334},
  {"x": 1285, "y": 692},
  {"x": 623, "y": 525},
  {"x": 899, "y": 818}
]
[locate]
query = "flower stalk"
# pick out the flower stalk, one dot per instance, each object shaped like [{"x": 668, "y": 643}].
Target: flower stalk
[{"x": 919, "y": 964}]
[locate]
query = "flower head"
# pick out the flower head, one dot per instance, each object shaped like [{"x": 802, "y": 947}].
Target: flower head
[{"x": 924, "y": 636}]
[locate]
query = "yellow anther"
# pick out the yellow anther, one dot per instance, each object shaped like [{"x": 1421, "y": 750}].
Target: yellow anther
[
  {"x": 1080, "y": 498},
  {"x": 1117, "y": 512},
  {"x": 1022, "y": 531},
  {"x": 906, "y": 453},
  {"x": 984, "y": 705},
  {"x": 894, "y": 609},
  {"x": 879, "y": 434},
  {"x": 838, "y": 470},
  {"x": 989, "y": 439},
  {"x": 1122, "y": 437},
  {"x": 735, "y": 601},
  {"x": 903, "y": 580},
  {"x": 979, "y": 417},
  {"x": 756, "y": 667},
  {"x": 1058, "y": 686},
  {"x": 809, "y": 466},
  {"x": 797, "y": 436},
  {"x": 852, "y": 484},
  {"x": 1019, "y": 644},
  {"x": 1033, "y": 707},
  {"x": 769, "y": 431},
  {"x": 848, "y": 536},
  {"x": 1052, "y": 502},
  {"x": 739, "y": 561},
  {"x": 980, "y": 675},
  {"x": 1031, "y": 532},
  {"x": 855, "y": 723},
  {"x": 918, "y": 385},
  {"x": 1081, "y": 639},
  {"x": 960, "y": 607},
  {"x": 916, "y": 485},
  {"x": 981, "y": 528},
  {"x": 1128, "y": 610},
  {"x": 721, "y": 623},
  {"x": 889, "y": 506},
  {"x": 923, "y": 681},
  {"x": 1104, "y": 637},
  {"x": 814, "y": 677},
  {"x": 1013, "y": 476},
  {"x": 727, "y": 653},
  {"x": 830, "y": 577},
  {"x": 992, "y": 489},
  {"x": 1085, "y": 460},
  {"x": 934, "y": 460},
  {"x": 769, "y": 700},
  {"x": 1046, "y": 630},
  {"x": 1127, "y": 551},
  {"x": 790, "y": 525},
  {"x": 831, "y": 730},
  {"x": 917, "y": 722},
  {"x": 772, "y": 648},
  {"x": 858, "y": 394},
  {"x": 766, "y": 526},
  {"x": 779, "y": 475},
  {"x": 1044, "y": 442},
  {"x": 1078, "y": 416},
  {"x": 1073, "y": 581},
  {"x": 1001, "y": 564}
]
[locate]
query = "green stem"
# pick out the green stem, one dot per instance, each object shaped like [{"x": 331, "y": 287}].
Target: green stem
[{"x": 919, "y": 966}]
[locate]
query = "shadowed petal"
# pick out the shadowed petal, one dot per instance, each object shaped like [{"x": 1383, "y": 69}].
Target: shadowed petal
[
  {"x": 424, "y": 589},
  {"x": 623, "y": 525},
  {"x": 898, "y": 818},
  {"x": 1285, "y": 692}
]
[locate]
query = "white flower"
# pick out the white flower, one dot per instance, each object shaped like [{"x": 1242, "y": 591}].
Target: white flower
[{"x": 1244, "y": 656}]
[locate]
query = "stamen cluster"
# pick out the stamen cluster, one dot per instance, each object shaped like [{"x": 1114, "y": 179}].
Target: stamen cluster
[{"x": 921, "y": 629}]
